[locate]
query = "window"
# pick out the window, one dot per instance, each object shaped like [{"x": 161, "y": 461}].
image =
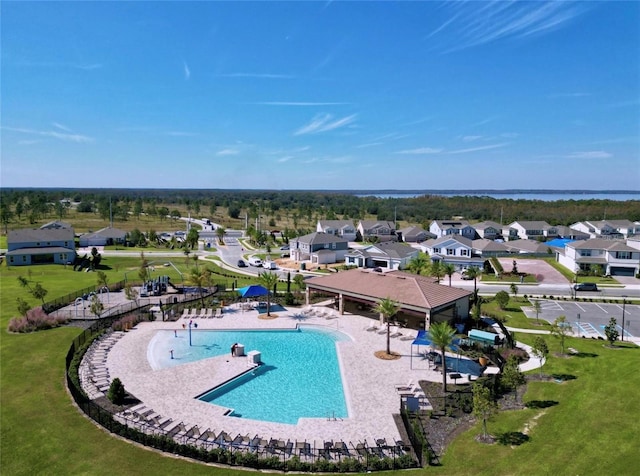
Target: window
[
  {"x": 451, "y": 251},
  {"x": 436, "y": 250},
  {"x": 585, "y": 253},
  {"x": 623, "y": 255},
  {"x": 334, "y": 245},
  {"x": 11, "y": 259},
  {"x": 464, "y": 252}
]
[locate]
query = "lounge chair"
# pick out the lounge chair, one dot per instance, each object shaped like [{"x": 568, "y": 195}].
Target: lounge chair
[
  {"x": 185, "y": 313},
  {"x": 408, "y": 386}
]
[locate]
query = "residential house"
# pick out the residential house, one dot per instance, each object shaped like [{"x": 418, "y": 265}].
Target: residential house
[
  {"x": 528, "y": 247},
  {"x": 371, "y": 230},
  {"x": 613, "y": 257},
  {"x": 453, "y": 249},
  {"x": 462, "y": 228},
  {"x": 40, "y": 246},
  {"x": 489, "y": 230},
  {"x": 104, "y": 237},
  {"x": 55, "y": 225},
  {"x": 529, "y": 230},
  {"x": 414, "y": 234},
  {"x": 608, "y": 229},
  {"x": 342, "y": 228},
  {"x": 319, "y": 248},
  {"x": 387, "y": 255},
  {"x": 569, "y": 233},
  {"x": 488, "y": 248}
]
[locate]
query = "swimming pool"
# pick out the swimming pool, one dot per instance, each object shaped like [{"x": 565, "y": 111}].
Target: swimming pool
[{"x": 300, "y": 376}]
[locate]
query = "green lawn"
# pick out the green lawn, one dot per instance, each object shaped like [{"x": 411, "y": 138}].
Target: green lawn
[{"x": 592, "y": 429}]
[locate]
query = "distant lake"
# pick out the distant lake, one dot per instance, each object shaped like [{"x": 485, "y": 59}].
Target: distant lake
[{"x": 547, "y": 197}]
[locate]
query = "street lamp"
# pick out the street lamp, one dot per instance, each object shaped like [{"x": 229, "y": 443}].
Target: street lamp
[{"x": 624, "y": 302}]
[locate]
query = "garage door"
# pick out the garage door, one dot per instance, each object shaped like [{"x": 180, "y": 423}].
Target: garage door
[{"x": 620, "y": 271}]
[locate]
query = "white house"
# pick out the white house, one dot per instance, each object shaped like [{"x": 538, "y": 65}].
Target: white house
[
  {"x": 608, "y": 228},
  {"x": 442, "y": 228},
  {"x": 614, "y": 257},
  {"x": 529, "y": 230},
  {"x": 342, "y": 228},
  {"x": 453, "y": 249},
  {"x": 389, "y": 255}
]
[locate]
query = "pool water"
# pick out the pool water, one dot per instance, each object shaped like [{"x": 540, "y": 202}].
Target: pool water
[{"x": 299, "y": 378}]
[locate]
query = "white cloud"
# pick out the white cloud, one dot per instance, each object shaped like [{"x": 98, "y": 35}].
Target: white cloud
[
  {"x": 187, "y": 71},
  {"x": 225, "y": 152},
  {"x": 478, "y": 23},
  {"x": 471, "y": 138},
  {"x": 300, "y": 103},
  {"x": 285, "y": 159},
  {"x": 420, "y": 151},
  {"x": 60, "y": 126},
  {"x": 181, "y": 134},
  {"x": 77, "y": 138},
  {"x": 256, "y": 75},
  {"x": 477, "y": 149},
  {"x": 324, "y": 123},
  {"x": 590, "y": 154}
]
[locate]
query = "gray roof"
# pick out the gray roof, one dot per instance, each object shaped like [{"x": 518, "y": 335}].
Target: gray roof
[
  {"x": 39, "y": 234},
  {"x": 601, "y": 244},
  {"x": 108, "y": 232},
  {"x": 452, "y": 223},
  {"x": 40, "y": 251},
  {"x": 414, "y": 231},
  {"x": 370, "y": 224},
  {"x": 528, "y": 246},
  {"x": 391, "y": 249},
  {"x": 488, "y": 245},
  {"x": 460, "y": 239},
  {"x": 55, "y": 224},
  {"x": 336, "y": 223},
  {"x": 318, "y": 238},
  {"x": 487, "y": 224},
  {"x": 531, "y": 225}
]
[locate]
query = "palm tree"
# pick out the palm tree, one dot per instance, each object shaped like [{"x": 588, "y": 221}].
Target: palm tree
[
  {"x": 449, "y": 269},
  {"x": 199, "y": 277},
  {"x": 436, "y": 270},
  {"x": 419, "y": 264},
  {"x": 268, "y": 280},
  {"x": 473, "y": 273},
  {"x": 442, "y": 337},
  {"x": 220, "y": 232},
  {"x": 388, "y": 308}
]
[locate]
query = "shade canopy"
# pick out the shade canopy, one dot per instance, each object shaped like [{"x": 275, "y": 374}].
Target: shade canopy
[
  {"x": 252, "y": 290},
  {"x": 424, "y": 338}
]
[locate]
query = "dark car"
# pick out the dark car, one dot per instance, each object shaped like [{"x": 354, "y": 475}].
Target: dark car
[
  {"x": 377, "y": 269},
  {"x": 586, "y": 287},
  {"x": 241, "y": 264}
]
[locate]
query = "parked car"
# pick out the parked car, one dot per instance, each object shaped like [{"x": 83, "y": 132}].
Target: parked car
[
  {"x": 586, "y": 287},
  {"x": 377, "y": 269},
  {"x": 253, "y": 261},
  {"x": 284, "y": 247},
  {"x": 269, "y": 265},
  {"x": 466, "y": 277},
  {"x": 241, "y": 264}
]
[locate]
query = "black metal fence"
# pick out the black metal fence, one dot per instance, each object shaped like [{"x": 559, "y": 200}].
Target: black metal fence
[{"x": 218, "y": 447}]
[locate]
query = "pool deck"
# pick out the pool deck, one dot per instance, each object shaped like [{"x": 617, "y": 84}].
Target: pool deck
[{"x": 369, "y": 382}]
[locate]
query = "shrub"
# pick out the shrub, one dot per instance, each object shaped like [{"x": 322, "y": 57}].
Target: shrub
[
  {"x": 36, "y": 319},
  {"x": 116, "y": 393}
]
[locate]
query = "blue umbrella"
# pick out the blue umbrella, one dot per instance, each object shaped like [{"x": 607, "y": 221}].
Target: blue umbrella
[{"x": 252, "y": 290}]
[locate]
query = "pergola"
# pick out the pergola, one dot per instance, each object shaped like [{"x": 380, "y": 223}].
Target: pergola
[{"x": 417, "y": 295}]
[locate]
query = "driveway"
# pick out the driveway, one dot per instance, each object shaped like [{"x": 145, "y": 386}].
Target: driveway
[{"x": 543, "y": 271}]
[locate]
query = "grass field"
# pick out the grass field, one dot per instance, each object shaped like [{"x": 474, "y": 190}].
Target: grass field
[{"x": 591, "y": 430}]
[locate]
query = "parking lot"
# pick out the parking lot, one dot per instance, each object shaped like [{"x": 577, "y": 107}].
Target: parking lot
[{"x": 589, "y": 319}]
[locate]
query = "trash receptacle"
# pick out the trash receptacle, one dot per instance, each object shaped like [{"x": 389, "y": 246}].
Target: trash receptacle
[{"x": 303, "y": 266}]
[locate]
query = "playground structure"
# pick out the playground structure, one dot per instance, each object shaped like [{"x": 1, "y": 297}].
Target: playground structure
[{"x": 158, "y": 286}]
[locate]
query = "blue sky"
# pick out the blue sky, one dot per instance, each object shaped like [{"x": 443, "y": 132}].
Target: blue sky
[{"x": 321, "y": 95}]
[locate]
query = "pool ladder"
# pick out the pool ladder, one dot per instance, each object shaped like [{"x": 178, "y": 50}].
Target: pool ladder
[{"x": 333, "y": 417}]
